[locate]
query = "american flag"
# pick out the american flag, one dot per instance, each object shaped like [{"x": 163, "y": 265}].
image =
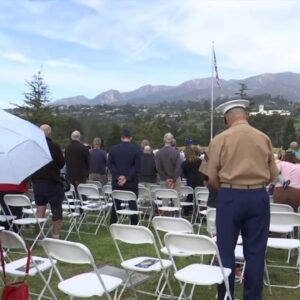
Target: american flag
[{"x": 216, "y": 69}]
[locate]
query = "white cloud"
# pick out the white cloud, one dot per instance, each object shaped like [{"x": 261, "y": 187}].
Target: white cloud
[{"x": 17, "y": 57}]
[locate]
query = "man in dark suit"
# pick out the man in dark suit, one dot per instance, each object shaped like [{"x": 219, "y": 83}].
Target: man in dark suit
[
  {"x": 77, "y": 160},
  {"x": 124, "y": 165}
]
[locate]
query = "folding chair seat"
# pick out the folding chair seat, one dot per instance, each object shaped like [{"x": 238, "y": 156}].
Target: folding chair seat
[
  {"x": 285, "y": 219},
  {"x": 170, "y": 224},
  {"x": 197, "y": 273},
  {"x": 16, "y": 268},
  {"x": 92, "y": 206},
  {"x": 19, "y": 200},
  {"x": 145, "y": 203},
  {"x": 84, "y": 285},
  {"x": 140, "y": 235},
  {"x": 124, "y": 197},
  {"x": 170, "y": 201}
]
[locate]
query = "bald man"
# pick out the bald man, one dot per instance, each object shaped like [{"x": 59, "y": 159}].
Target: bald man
[
  {"x": 77, "y": 160},
  {"x": 47, "y": 185}
]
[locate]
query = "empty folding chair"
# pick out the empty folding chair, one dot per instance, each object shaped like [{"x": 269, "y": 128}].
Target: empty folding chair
[
  {"x": 86, "y": 284},
  {"x": 18, "y": 200},
  {"x": 285, "y": 219},
  {"x": 186, "y": 192},
  {"x": 128, "y": 200},
  {"x": 92, "y": 206},
  {"x": 140, "y": 235},
  {"x": 197, "y": 273},
  {"x": 170, "y": 201},
  {"x": 16, "y": 267},
  {"x": 170, "y": 224},
  {"x": 145, "y": 204},
  {"x": 201, "y": 198}
]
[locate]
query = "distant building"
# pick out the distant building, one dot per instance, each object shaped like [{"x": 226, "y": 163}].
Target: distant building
[{"x": 262, "y": 111}]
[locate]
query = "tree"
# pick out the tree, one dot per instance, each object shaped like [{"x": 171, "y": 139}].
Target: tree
[
  {"x": 289, "y": 133},
  {"x": 36, "y": 109},
  {"x": 242, "y": 91}
]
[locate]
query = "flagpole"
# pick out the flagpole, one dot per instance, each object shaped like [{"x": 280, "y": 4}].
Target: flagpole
[{"x": 212, "y": 94}]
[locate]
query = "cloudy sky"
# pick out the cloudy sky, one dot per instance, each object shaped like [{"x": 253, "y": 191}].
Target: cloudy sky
[{"x": 85, "y": 47}]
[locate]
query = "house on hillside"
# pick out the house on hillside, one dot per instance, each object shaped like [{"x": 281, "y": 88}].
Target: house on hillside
[{"x": 262, "y": 111}]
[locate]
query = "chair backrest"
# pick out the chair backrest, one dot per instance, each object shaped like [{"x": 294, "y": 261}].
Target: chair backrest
[
  {"x": 12, "y": 240},
  {"x": 107, "y": 189},
  {"x": 67, "y": 251},
  {"x": 144, "y": 193},
  {"x": 193, "y": 244},
  {"x": 285, "y": 219},
  {"x": 17, "y": 200},
  {"x": 171, "y": 224},
  {"x": 277, "y": 207},
  {"x": 131, "y": 234},
  {"x": 211, "y": 221},
  {"x": 95, "y": 182},
  {"x": 166, "y": 194},
  {"x": 123, "y": 195},
  {"x": 198, "y": 189},
  {"x": 186, "y": 190},
  {"x": 91, "y": 191},
  {"x": 71, "y": 192},
  {"x": 202, "y": 197}
]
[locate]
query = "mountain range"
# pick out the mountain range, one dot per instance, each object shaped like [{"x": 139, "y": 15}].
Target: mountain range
[{"x": 285, "y": 84}]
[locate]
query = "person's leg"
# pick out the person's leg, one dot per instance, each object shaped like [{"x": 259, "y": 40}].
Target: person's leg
[
  {"x": 113, "y": 214},
  {"x": 254, "y": 231},
  {"x": 228, "y": 227},
  {"x": 56, "y": 197}
]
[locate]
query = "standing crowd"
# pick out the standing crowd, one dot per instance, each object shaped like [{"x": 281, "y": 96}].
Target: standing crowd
[{"x": 237, "y": 166}]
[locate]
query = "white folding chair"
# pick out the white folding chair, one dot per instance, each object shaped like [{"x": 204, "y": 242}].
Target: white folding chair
[
  {"x": 92, "y": 206},
  {"x": 201, "y": 198},
  {"x": 140, "y": 235},
  {"x": 283, "y": 230},
  {"x": 197, "y": 273},
  {"x": 71, "y": 213},
  {"x": 170, "y": 201},
  {"x": 84, "y": 285},
  {"x": 145, "y": 204},
  {"x": 125, "y": 197},
  {"x": 18, "y": 200},
  {"x": 285, "y": 219},
  {"x": 16, "y": 267},
  {"x": 185, "y": 191},
  {"x": 170, "y": 224}
]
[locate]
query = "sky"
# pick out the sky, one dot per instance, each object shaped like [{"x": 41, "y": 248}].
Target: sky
[{"x": 85, "y": 47}]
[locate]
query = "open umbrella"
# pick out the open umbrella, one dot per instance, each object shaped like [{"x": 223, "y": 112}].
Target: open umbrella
[{"x": 23, "y": 149}]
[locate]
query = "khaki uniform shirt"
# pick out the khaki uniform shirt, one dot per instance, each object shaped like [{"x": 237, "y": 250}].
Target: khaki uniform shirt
[{"x": 241, "y": 155}]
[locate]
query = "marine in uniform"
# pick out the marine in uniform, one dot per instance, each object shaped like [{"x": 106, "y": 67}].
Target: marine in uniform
[{"x": 240, "y": 163}]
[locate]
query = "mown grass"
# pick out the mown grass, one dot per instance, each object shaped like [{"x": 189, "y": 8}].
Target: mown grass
[{"x": 104, "y": 252}]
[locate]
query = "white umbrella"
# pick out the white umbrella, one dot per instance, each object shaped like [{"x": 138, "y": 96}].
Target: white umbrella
[{"x": 23, "y": 149}]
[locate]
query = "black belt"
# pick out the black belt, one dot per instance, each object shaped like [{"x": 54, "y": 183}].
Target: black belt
[{"x": 243, "y": 187}]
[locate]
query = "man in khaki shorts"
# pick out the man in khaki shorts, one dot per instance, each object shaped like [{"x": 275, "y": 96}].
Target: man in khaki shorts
[{"x": 240, "y": 163}]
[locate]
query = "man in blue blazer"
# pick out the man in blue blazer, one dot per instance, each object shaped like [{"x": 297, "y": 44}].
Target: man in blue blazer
[{"x": 124, "y": 165}]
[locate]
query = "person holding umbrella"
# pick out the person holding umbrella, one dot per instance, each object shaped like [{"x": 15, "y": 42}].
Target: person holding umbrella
[{"x": 47, "y": 185}]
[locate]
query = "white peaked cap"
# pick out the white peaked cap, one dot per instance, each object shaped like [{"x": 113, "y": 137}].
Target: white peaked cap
[{"x": 225, "y": 107}]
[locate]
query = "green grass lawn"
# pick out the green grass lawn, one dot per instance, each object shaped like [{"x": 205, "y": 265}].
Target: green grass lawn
[{"x": 104, "y": 252}]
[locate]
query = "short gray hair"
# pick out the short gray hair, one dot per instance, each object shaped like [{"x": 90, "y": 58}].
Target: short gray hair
[
  {"x": 168, "y": 138},
  {"x": 47, "y": 129},
  {"x": 97, "y": 141},
  {"x": 75, "y": 135}
]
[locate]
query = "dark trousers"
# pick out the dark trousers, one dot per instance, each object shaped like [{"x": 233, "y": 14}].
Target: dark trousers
[
  {"x": 134, "y": 219},
  {"x": 248, "y": 212}
]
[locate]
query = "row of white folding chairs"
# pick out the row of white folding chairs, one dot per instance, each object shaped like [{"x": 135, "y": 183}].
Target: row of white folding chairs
[
  {"x": 176, "y": 244},
  {"x": 83, "y": 285}
]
